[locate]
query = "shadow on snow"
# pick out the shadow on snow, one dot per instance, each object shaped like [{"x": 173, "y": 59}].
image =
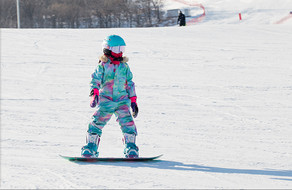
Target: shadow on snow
[{"x": 172, "y": 165}]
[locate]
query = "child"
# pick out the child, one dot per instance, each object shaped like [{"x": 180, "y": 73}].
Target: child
[{"x": 113, "y": 90}]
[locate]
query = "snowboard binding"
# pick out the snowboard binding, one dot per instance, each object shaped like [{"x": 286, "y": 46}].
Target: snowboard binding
[
  {"x": 90, "y": 150},
  {"x": 131, "y": 150}
]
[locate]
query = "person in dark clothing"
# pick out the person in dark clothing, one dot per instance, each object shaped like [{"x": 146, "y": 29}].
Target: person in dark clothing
[{"x": 181, "y": 19}]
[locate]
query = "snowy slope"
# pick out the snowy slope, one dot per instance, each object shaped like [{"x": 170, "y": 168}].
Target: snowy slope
[
  {"x": 226, "y": 11},
  {"x": 215, "y": 99}
]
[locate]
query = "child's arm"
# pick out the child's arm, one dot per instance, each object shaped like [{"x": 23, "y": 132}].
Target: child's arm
[
  {"x": 130, "y": 84},
  {"x": 97, "y": 77},
  {"x": 132, "y": 93}
]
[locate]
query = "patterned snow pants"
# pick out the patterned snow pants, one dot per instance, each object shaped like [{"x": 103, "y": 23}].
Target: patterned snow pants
[{"x": 105, "y": 111}]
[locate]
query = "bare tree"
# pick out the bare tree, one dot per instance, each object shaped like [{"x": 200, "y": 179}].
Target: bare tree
[
  {"x": 81, "y": 13},
  {"x": 157, "y": 5},
  {"x": 8, "y": 14}
]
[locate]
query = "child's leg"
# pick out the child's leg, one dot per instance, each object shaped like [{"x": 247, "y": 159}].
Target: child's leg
[
  {"x": 125, "y": 119},
  {"x": 129, "y": 130},
  {"x": 100, "y": 118}
]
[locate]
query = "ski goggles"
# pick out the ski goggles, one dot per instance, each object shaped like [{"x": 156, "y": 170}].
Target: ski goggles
[{"x": 115, "y": 49}]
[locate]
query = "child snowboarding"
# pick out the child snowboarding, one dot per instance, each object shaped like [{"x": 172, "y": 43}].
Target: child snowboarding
[{"x": 113, "y": 92}]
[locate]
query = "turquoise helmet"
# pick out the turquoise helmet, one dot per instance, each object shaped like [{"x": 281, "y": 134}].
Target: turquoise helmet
[{"x": 114, "y": 43}]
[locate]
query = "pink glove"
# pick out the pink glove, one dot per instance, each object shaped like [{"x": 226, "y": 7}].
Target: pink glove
[
  {"x": 134, "y": 106},
  {"x": 94, "y": 99},
  {"x": 133, "y": 99}
]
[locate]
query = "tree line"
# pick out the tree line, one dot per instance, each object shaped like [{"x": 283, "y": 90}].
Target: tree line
[{"x": 81, "y": 13}]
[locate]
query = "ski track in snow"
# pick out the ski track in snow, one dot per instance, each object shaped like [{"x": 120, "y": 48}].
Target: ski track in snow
[{"x": 214, "y": 99}]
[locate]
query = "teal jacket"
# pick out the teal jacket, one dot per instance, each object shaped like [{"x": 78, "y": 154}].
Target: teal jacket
[{"x": 114, "y": 81}]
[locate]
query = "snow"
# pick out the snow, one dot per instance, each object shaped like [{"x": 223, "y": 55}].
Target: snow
[
  {"x": 226, "y": 11},
  {"x": 214, "y": 98}
]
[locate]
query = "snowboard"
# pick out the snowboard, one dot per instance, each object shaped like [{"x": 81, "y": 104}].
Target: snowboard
[{"x": 110, "y": 159}]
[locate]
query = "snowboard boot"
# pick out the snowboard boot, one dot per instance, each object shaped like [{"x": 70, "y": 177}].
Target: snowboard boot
[
  {"x": 131, "y": 150},
  {"x": 90, "y": 150}
]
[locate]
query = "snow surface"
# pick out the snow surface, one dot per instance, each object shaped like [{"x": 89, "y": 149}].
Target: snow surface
[
  {"x": 215, "y": 99},
  {"x": 226, "y": 11}
]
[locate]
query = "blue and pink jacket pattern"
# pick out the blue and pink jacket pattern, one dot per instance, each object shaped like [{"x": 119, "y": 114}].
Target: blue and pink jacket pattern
[
  {"x": 114, "y": 81},
  {"x": 115, "y": 85}
]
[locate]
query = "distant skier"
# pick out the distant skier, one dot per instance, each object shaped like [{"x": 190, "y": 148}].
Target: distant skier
[
  {"x": 113, "y": 91},
  {"x": 181, "y": 19}
]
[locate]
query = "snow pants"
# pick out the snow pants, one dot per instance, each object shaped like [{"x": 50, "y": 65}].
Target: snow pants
[{"x": 106, "y": 109}]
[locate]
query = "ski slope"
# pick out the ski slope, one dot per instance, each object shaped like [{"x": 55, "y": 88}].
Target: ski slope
[
  {"x": 227, "y": 11},
  {"x": 214, "y": 98}
]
